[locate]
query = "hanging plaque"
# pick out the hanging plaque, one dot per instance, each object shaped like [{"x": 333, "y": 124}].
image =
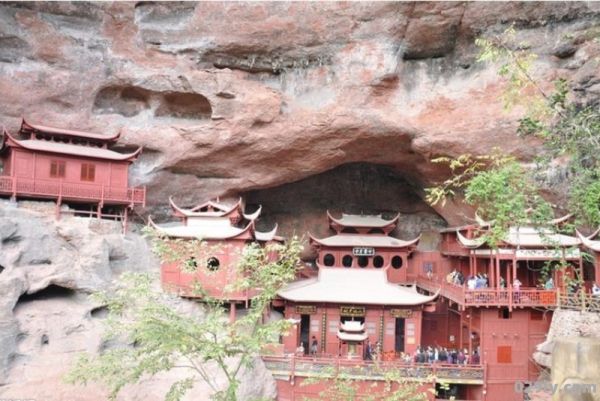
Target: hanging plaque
[
  {"x": 357, "y": 311},
  {"x": 401, "y": 313},
  {"x": 363, "y": 251},
  {"x": 306, "y": 309}
]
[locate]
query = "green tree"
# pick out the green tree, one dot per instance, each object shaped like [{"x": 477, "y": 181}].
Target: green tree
[
  {"x": 568, "y": 127},
  {"x": 353, "y": 386},
  {"x": 154, "y": 337},
  {"x": 498, "y": 187}
]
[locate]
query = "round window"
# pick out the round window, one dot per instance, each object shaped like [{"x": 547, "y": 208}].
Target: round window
[
  {"x": 213, "y": 264},
  {"x": 397, "y": 262},
  {"x": 347, "y": 260},
  {"x": 378, "y": 261},
  {"x": 363, "y": 261},
  {"x": 329, "y": 260}
]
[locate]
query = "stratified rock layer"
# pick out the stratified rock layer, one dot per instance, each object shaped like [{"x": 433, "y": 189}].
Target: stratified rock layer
[{"x": 234, "y": 97}]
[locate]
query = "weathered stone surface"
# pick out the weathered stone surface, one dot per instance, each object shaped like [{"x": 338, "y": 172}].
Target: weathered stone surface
[
  {"x": 575, "y": 369},
  {"x": 566, "y": 324},
  {"x": 294, "y": 90},
  {"x": 46, "y": 318}
]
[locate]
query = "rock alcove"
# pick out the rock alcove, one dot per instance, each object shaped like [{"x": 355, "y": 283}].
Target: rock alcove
[{"x": 359, "y": 188}]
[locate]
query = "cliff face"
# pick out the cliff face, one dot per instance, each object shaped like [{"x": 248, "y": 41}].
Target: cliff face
[
  {"x": 230, "y": 98},
  {"x": 47, "y": 270}
]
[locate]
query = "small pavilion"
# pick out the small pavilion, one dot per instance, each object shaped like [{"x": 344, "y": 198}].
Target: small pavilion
[
  {"x": 356, "y": 295},
  {"x": 225, "y": 230},
  {"x": 77, "y": 167},
  {"x": 364, "y": 241},
  {"x": 521, "y": 255}
]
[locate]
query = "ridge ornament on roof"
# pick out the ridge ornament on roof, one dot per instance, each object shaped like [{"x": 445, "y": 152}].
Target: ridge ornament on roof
[{"x": 217, "y": 222}]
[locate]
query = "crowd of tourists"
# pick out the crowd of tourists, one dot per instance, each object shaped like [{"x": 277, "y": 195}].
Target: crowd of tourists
[
  {"x": 481, "y": 281},
  {"x": 429, "y": 354},
  {"x": 443, "y": 355}
]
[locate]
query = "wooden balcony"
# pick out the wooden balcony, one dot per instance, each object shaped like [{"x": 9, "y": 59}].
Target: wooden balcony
[
  {"x": 580, "y": 301},
  {"x": 288, "y": 367},
  {"x": 525, "y": 297},
  {"x": 34, "y": 188}
]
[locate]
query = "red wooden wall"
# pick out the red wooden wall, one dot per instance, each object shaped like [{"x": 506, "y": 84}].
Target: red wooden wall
[
  {"x": 330, "y": 315},
  {"x": 518, "y": 336},
  {"x": 31, "y": 165},
  {"x": 214, "y": 282}
]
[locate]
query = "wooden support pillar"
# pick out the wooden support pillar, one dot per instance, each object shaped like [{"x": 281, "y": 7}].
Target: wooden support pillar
[
  {"x": 58, "y": 204},
  {"x": 470, "y": 334},
  {"x": 125, "y": 217},
  {"x": 461, "y": 331},
  {"x": 232, "y": 312},
  {"x": 498, "y": 274},
  {"x": 471, "y": 265},
  {"x": 99, "y": 211},
  {"x": 324, "y": 330},
  {"x": 514, "y": 270}
]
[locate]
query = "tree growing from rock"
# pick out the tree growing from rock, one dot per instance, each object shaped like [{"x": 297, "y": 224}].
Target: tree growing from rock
[
  {"x": 568, "y": 128},
  {"x": 154, "y": 337},
  {"x": 501, "y": 188}
]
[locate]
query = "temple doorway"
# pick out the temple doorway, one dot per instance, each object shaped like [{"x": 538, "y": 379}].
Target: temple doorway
[
  {"x": 399, "y": 347},
  {"x": 305, "y": 332}
]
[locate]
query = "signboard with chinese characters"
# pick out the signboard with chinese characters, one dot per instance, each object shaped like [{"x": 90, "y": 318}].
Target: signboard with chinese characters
[
  {"x": 363, "y": 251},
  {"x": 306, "y": 309},
  {"x": 401, "y": 313},
  {"x": 357, "y": 311}
]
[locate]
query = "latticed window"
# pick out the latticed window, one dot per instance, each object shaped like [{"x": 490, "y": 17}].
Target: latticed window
[
  {"x": 88, "y": 172},
  {"x": 57, "y": 169}
]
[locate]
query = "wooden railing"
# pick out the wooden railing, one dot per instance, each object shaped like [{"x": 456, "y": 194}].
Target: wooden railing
[
  {"x": 580, "y": 301},
  {"x": 16, "y": 186},
  {"x": 524, "y": 297},
  {"x": 292, "y": 366}
]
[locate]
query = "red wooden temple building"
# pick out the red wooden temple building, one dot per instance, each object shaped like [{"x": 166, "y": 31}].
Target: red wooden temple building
[
  {"x": 74, "y": 167},
  {"x": 224, "y": 230},
  {"x": 506, "y": 318},
  {"x": 365, "y": 290}
]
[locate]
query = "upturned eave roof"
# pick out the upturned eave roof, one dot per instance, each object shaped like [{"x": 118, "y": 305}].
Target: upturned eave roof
[
  {"x": 353, "y": 286},
  {"x": 69, "y": 149},
  {"x": 367, "y": 240},
  {"x": 27, "y": 127},
  {"x": 362, "y": 221}
]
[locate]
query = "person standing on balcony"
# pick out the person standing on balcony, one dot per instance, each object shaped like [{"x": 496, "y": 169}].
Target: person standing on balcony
[
  {"x": 596, "y": 291},
  {"x": 368, "y": 350},
  {"x": 475, "y": 359},
  {"x": 377, "y": 350},
  {"x": 517, "y": 284},
  {"x": 443, "y": 356},
  {"x": 459, "y": 279},
  {"x": 461, "y": 358},
  {"x": 314, "y": 346},
  {"x": 451, "y": 277},
  {"x": 549, "y": 284},
  {"x": 502, "y": 282}
]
